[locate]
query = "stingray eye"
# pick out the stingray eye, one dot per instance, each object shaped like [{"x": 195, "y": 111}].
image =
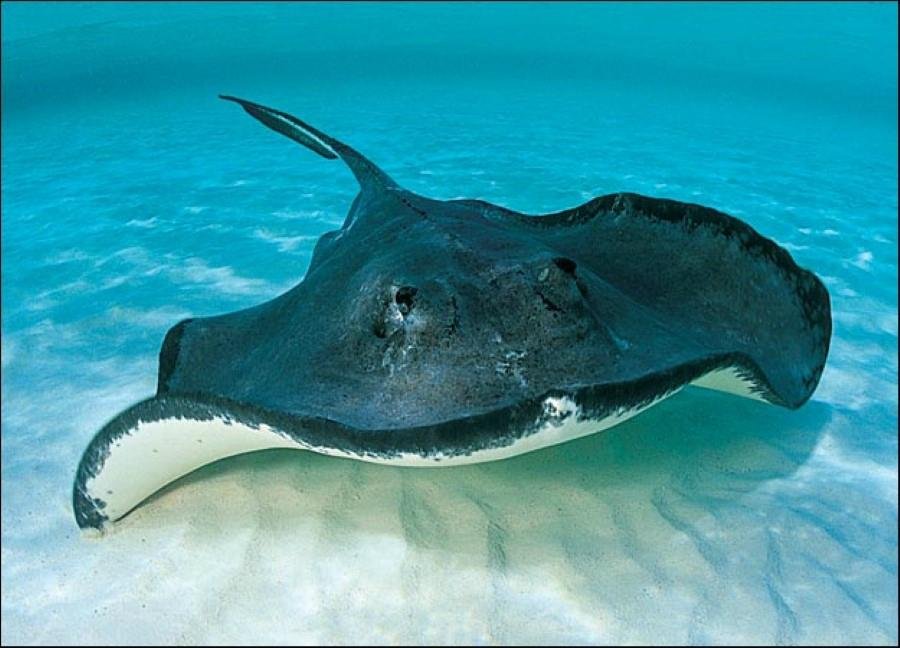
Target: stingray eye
[
  {"x": 405, "y": 298},
  {"x": 566, "y": 265}
]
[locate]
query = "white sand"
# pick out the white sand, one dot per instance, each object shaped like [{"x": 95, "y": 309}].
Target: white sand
[{"x": 693, "y": 522}]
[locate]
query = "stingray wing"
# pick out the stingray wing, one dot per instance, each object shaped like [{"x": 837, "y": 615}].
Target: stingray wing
[{"x": 711, "y": 276}]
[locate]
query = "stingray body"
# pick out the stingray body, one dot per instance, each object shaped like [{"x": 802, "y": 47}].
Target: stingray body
[{"x": 430, "y": 332}]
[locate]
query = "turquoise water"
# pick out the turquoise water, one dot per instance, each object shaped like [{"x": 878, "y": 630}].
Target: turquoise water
[{"x": 132, "y": 198}]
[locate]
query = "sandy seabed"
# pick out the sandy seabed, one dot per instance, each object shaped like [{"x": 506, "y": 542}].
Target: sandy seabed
[{"x": 691, "y": 523}]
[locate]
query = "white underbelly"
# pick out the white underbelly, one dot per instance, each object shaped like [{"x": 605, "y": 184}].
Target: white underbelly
[{"x": 155, "y": 453}]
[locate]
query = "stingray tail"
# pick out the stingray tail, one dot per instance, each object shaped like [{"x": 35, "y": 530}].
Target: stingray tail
[{"x": 366, "y": 172}]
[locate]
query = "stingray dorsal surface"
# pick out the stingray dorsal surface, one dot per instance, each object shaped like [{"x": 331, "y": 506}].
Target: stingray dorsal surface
[{"x": 439, "y": 333}]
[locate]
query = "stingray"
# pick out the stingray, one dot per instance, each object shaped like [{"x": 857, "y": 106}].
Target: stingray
[{"x": 445, "y": 332}]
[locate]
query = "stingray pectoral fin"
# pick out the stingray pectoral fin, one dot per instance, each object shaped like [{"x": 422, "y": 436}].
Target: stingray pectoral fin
[
  {"x": 709, "y": 276},
  {"x": 154, "y": 443},
  {"x": 366, "y": 172}
]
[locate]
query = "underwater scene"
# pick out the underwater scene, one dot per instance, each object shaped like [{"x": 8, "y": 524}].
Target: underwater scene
[{"x": 134, "y": 198}]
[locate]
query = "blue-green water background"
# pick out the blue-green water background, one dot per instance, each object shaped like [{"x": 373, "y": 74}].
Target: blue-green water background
[{"x": 132, "y": 197}]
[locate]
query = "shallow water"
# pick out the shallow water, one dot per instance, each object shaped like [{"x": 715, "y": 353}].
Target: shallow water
[{"x": 133, "y": 198}]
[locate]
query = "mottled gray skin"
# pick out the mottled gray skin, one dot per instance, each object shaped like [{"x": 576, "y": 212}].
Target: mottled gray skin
[
  {"x": 419, "y": 311},
  {"x": 425, "y": 323}
]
